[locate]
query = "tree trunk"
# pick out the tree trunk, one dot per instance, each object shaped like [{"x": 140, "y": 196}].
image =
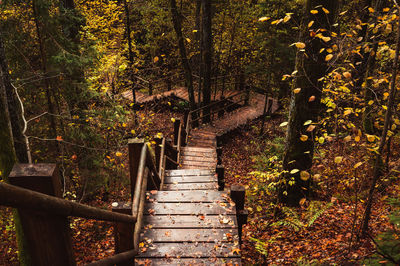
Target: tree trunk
[
  {"x": 7, "y": 159},
  {"x": 14, "y": 109},
  {"x": 176, "y": 20},
  {"x": 378, "y": 165},
  {"x": 311, "y": 66},
  {"x": 50, "y": 105},
  {"x": 207, "y": 56}
]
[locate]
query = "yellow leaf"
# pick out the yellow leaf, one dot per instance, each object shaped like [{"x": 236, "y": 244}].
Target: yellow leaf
[
  {"x": 321, "y": 140},
  {"x": 314, "y": 11},
  {"x": 118, "y": 154},
  {"x": 133, "y": 131},
  {"x": 173, "y": 120},
  {"x": 155, "y": 60},
  {"x": 300, "y": 45},
  {"x": 124, "y": 124},
  {"x": 302, "y": 201},
  {"x": 357, "y": 139},
  {"x": 347, "y": 112},
  {"x": 325, "y": 10},
  {"x": 370, "y": 138},
  {"x": 347, "y": 139},
  {"x": 188, "y": 40},
  {"x": 283, "y": 124},
  {"x": 311, "y": 99},
  {"x": 328, "y": 57},
  {"x": 310, "y": 128},
  {"x": 304, "y": 138},
  {"x": 347, "y": 75},
  {"x": 371, "y": 10},
  {"x": 385, "y": 95},
  {"x": 59, "y": 138},
  {"x": 287, "y": 18},
  {"x": 304, "y": 175},
  {"x": 326, "y": 39},
  {"x": 297, "y": 90},
  {"x": 310, "y": 23},
  {"x": 262, "y": 19},
  {"x": 294, "y": 171},
  {"x": 357, "y": 165},
  {"x": 370, "y": 102},
  {"x": 338, "y": 159}
]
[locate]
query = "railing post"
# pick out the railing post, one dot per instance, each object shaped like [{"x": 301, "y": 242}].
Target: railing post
[
  {"x": 177, "y": 124},
  {"x": 219, "y": 141},
  {"x": 48, "y": 236},
  {"x": 157, "y": 150},
  {"x": 134, "y": 150},
  {"x": 246, "y": 100},
  {"x": 238, "y": 194},
  {"x": 123, "y": 232},
  {"x": 169, "y": 84},
  {"x": 150, "y": 88},
  {"x": 219, "y": 155},
  {"x": 222, "y": 106},
  {"x": 134, "y": 94},
  {"x": 221, "y": 179}
]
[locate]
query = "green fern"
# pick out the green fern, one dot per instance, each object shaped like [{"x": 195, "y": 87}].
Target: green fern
[{"x": 292, "y": 219}]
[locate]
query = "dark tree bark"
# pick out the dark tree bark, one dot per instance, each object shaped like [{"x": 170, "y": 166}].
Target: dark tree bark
[
  {"x": 378, "y": 165},
  {"x": 14, "y": 109},
  {"x": 8, "y": 158},
  {"x": 43, "y": 62},
  {"x": 206, "y": 56},
  {"x": 176, "y": 20},
  {"x": 130, "y": 48},
  {"x": 311, "y": 66}
]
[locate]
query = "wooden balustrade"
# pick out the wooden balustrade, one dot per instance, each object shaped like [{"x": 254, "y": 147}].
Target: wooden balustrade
[{"x": 35, "y": 190}]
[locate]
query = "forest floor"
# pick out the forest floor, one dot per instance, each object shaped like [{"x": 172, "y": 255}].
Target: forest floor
[{"x": 321, "y": 231}]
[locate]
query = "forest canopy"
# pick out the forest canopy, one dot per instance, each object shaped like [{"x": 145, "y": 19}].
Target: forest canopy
[{"x": 73, "y": 71}]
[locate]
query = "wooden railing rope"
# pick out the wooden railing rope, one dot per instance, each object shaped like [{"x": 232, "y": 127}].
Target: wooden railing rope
[{"x": 17, "y": 197}]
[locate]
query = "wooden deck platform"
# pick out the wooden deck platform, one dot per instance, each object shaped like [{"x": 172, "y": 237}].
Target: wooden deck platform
[
  {"x": 180, "y": 92},
  {"x": 190, "y": 222}
]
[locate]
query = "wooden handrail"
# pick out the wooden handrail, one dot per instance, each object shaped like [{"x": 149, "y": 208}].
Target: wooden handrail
[
  {"x": 179, "y": 143},
  {"x": 222, "y": 108},
  {"x": 17, "y": 197},
  {"x": 215, "y": 103}
]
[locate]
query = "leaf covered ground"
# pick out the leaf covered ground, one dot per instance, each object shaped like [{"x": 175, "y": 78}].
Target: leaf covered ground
[{"x": 322, "y": 231}]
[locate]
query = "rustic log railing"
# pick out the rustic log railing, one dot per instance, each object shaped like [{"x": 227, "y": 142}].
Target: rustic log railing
[{"x": 35, "y": 190}]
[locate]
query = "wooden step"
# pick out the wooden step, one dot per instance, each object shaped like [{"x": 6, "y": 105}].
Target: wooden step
[
  {"x": 189, "y": 179},
  {"x": 188, "y": 196},
  {"x": 190, "y": 250},
  {"x": 183, "y": 208},
  {"x": 191, "y": 186},
  {"x": 191, "y": 235},
  {"x": 190, "y": 221},
  {"x": 186, "y": 172},
  {"x": 188, "y": 261}
]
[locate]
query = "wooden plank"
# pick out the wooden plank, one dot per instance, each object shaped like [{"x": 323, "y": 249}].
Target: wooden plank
[
  {"x": 188, "y": 196},
  {"x": 186, "y": 172},
  {"x": 189, "y": 208},
  {"x": 186, "y": 158},
  {"x": 189, "y": 261},
  {"x": 198, "y": 149},
  {"x": 211, "y": 235},
  {"x": 190, "y": 221},
  {"x": 191, "y": 186},
  {"x": 192, "y": 167},
  {"x": 190, "y": 250},
  {"x": 189, "y": 179},
  {"x": 212, "y": 165},
  {"x": 199, "y": 154}
]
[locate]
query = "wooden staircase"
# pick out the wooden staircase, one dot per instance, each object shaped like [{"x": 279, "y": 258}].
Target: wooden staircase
[{"x": 190, "y": 222}]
